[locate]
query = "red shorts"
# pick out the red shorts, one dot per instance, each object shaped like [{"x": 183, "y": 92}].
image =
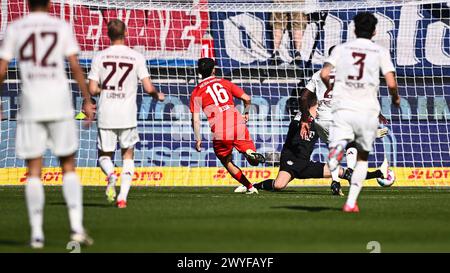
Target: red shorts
[{"x": 224, "y": 148}]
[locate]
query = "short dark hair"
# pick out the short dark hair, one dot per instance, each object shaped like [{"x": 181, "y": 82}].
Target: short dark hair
[
  {"x": 205, "y": 67},
  {"x": 365, "y": 24},
  {"x": 38, "y": 3},
  {"x": 312, "y": 99},
  {"x": 116, "y": 30},
  {"x": 330, "y": 50}
]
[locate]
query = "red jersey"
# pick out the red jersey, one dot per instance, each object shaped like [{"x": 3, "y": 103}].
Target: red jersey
[{"x": 215, "y": 97}]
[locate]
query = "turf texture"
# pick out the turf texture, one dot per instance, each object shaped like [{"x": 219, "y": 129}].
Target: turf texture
[{"x": 218, "y": 220}]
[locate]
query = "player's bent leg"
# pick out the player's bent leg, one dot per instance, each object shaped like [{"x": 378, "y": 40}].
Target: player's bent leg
[
  {"x": 278, "y": 184},
  {"x": 107, "y": 166},
  {"x": 282, "y": 180},
  {"x": 106, "y": 144},
  {"x": 335, "y": 186},
  {"x": 127, "y": 176},
  {"x": 73, "y": 195},
  {"x": 266, "y": 185},
  {"x": 323, "y": 130},
  {"x": 351, "y": 155},
  {"x": 35, "y": 199},
  {"x": 336, "y": 154},
  {"x": 237, "y": 173},
  {"x": 248, "y": 149},
  {"x": 254, "y": 158}
]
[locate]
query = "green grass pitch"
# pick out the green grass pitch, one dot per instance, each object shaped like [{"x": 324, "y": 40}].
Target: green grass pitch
[{"x": 218, "y": 220}]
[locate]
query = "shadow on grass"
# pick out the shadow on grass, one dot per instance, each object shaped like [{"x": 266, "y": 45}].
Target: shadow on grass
[
  {"x": 12, "y": 243},
  {"x": 92, "y": 205},
  {"x": 304, "y": 192},
  {"x": 307, "y": 208}
]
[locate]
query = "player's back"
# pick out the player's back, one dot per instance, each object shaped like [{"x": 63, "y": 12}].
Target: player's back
[
  {"x": 118, "y": 70},
  {"x": 41, "y": 43},
  {"x": 215, "y": 97},
  {"x": 358, "y": 64}
]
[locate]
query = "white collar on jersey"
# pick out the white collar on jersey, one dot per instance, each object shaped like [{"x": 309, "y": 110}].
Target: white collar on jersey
[{"x": 210, "y": 77}]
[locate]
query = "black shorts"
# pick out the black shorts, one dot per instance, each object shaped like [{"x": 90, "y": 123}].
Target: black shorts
[{"x": 300, "y": 168}]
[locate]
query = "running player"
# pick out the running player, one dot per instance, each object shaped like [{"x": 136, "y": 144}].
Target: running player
[
  {"x": 295, "y": 159},
  {"x": 41, "y": 43},
  {"x": 114, "y": 75},
  {"x": 324, "y": 120},
  {"x": 355, "y": 103},
  {"x": 215, "y": 97}
]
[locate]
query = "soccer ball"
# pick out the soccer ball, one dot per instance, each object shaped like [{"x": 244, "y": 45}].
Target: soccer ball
[{"x": 389, "y": 181}]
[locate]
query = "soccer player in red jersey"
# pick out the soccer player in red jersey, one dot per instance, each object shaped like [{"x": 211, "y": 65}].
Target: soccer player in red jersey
[{"x": 215, "y": 97}]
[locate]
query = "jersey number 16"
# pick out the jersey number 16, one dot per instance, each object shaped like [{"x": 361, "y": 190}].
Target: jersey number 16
[{"x": 218, "y": 93}]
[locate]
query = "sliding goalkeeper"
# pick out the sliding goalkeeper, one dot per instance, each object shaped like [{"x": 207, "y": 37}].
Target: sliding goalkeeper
[{"x": 295, "y": 157}]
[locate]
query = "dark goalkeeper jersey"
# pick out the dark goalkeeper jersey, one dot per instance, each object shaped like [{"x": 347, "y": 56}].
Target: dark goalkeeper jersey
[{"x": 302, "y": 149}]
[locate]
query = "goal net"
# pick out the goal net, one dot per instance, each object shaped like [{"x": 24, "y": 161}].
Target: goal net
[{"x": 241, "y": 36}]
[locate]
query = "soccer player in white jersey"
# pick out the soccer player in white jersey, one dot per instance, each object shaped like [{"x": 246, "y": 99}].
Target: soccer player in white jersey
[
  {"x": 355, "y": 103},
  {"x": 324, "y": 120},
  {"x": 41, "y": 43},
  {"x": 114, "y": 75}
]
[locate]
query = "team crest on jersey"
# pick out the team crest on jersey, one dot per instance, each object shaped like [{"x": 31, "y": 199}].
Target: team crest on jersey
[
  {"x": 290, "y": 163},
  {"x": 311, "y": 135}
]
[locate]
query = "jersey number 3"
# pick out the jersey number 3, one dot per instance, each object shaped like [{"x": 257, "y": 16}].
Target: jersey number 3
[
  {"x": 359, "y": 57},
  {"x": 218, "y": 93}
]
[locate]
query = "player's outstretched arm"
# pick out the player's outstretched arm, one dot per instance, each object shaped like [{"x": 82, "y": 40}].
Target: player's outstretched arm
[
  {"x": 3, "y": 71},
  {"x": 196, "y": 127},
  {"x": 78, "y": 75},
  {"x": 391, "y": 83},
  {"x": 150, "y": 89},
  {"x": 325, "y": 74}
]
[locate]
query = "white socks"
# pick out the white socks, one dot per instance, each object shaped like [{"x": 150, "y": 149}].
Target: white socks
[
  {"x": 127, "y": 177},
  {"x": 34, "y": 195},
  {"x": 106, "y": 165},
  {"x": 335, "y": 175},
  {"x": 73, "y": 195},
  {"x": 359, "y": 174},
  {"x": 351, "y": 156}
]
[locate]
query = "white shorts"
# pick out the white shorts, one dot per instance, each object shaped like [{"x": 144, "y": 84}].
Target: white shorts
[
  {"x": 351, "y": 126},
  {"x": 107, "y": 139},
  {"x": 34, "y": 137},
  {"x": 323, "y": 129}
]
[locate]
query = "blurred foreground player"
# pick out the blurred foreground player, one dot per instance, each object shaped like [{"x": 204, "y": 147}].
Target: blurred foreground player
[
  {"x": 355, "y": 105},
  {"x": 215, "y": 97},
  {"x": 114, "y": 75},
  {"x": 41, "y": 43},
  {"x": 296, "y": 160}
]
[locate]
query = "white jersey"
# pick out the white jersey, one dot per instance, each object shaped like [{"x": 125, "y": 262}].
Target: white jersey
[
  {"x": 324, "y": 95},
  {"x": 41, "y": 43},
  {"x": 357, "y": 65},
  {"x": 118, "y": 69}
]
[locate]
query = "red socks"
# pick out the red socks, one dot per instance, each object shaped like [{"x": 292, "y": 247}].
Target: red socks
[{"x": 242, "y": 179}]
